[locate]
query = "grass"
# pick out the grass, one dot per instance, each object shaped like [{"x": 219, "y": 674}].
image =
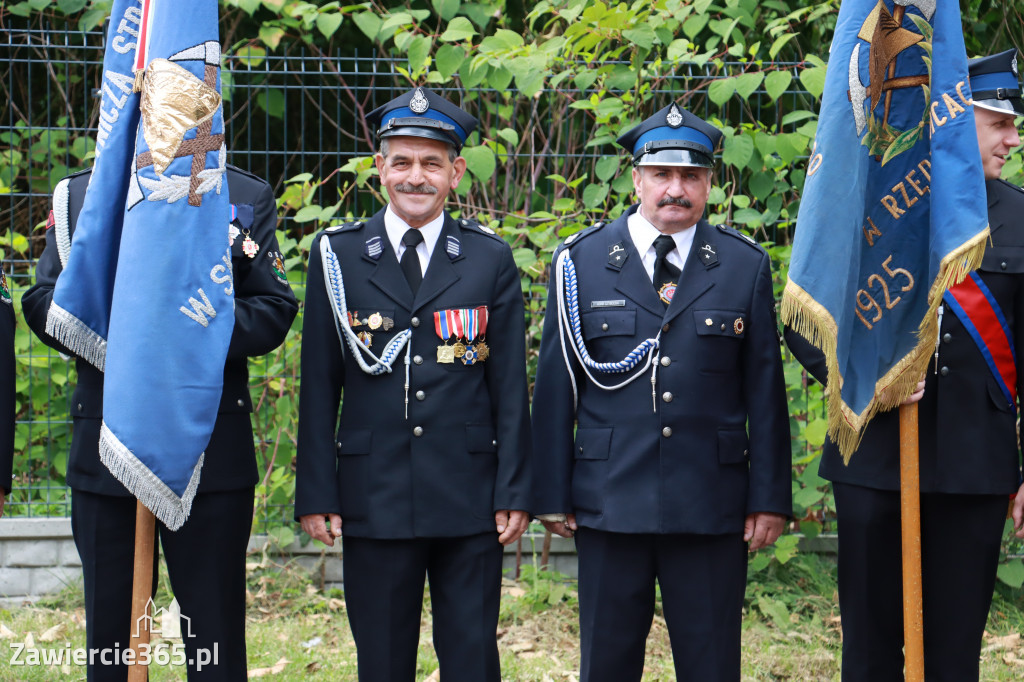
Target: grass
[{"x": 791, "y": 630}]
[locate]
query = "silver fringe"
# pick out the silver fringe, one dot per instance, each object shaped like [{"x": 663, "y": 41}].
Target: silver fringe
[
  {"x": 76, "y": 335},
  {"x": 172, "y": 510}
]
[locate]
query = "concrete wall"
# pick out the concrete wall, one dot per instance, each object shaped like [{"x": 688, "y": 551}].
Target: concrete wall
[{"x": 38, "y": 557}]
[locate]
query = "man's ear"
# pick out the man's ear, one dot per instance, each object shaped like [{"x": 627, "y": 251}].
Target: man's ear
[{"x": 460, "y": 170}]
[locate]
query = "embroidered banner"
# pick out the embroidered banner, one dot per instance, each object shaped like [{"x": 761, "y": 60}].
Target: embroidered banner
[
  {"x": 893, "y": 211},
  {"x": 172, "y": 310}
]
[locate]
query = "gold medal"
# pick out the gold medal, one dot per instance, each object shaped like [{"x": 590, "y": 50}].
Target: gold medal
[
  {"x": 375, "y": 321},
  {"x": 459, "y": 348},
  {"x": 482, "y": 351},
  {"x": 353, "y": 319},
  {"x": 445, "y": 354},
  {"x": 366, "y": 338}
]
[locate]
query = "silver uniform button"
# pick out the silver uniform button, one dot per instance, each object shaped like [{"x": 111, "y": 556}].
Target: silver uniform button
[
  {"x": 944, "y": 371},
  {"x": 420, "y": 395},
  {"x": 417, "y": 431},
  {"x": 604, "y": 327},
  {"x": 494, "y": 443},
  {"x": 708, "y": 321},
  {"x": 241, "y": 403},
  {"x": 79, "y": 407},
  {"x": 415, "y": 321},
  {"x": 667, "y": 431},
  {"x": 666, "y": 396},
  {"x": 666, "y": 361},
  {"x": 417, "y": 359},
  {"x": 338, "y": 445},
  {"x": 947, "y": 337}
]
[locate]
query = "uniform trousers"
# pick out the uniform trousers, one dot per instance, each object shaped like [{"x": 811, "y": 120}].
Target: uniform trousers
[
  {"x": 960, "y": 537},
  {"x": 206, "y": 565},
  {"x": 384, "y": 597},
  {"x": 702, "y": 580}
]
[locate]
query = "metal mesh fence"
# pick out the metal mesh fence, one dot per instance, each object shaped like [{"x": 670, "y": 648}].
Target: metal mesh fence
[{"x": 297, "y": 112}]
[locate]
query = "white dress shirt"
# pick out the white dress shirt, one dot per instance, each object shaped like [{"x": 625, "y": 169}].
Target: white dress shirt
[
  {"x": 643, "y": 234},
  {"x": 396, "y": 229}
]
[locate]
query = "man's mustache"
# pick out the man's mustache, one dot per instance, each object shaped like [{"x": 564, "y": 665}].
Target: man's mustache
[
  {"x": 409, "y": 188},
  {"x": 675, "y": 201}
]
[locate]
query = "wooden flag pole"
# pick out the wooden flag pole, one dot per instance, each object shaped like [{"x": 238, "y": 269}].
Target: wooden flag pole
[
  {"x": 910, "y": 513},
  {"x": 142, "y": 587}
]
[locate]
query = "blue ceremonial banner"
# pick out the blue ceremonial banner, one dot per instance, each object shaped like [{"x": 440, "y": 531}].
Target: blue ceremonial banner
[
  {"x": 172, "y": 311},
  {"x": 80, "y": 311},
  {"x": 893, "y": 210}
]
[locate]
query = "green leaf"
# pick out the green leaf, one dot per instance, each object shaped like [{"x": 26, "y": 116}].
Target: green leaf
[
  {"x": 790, "y": 145},
  {"x": 71, "y": 6},
  {"x": 719, "y": 91},
  {"x": 307, "y": 213},
  {"x": 759, "y": 561},
  {"x": 328, "y": 23},
  {"x": 776, "y": 82},
  {"x": 779, "y": 43},
  {"x": 301, "y": 177},
  {"x": 622, "y": 77},
  {"x": 524, "y": 257},
  {"x": 530, "y": 82},
  {"x": 563, "y": 205},
  {"x": 446, "y": 9},
  {"x": 502, "y": 40},
  {"x": 458, "y": 29},
  {"x": 21, "y": 9},
  {"x": 479, "y": 161},
  {"x": 252, "y": 56},
  {"x": 500, "y": 78},
  {"x": 369, "y": 23},
  {"x": 738, "y": 150},
  {"x": 813, "y": 79},
  {"x": 584, "y": 79},
  {"x": 448, "y": 59},
  {"x": 786, "y": 548},
  {"x": 91, "y": 19},
  {"x": 272, "y": 102},
  {"x": 694, "y": 25},
  {"x": 678, "y": 49},
  {"x": 594, "y": 194},
  {"x": 473, "y": 71},
  {"x": 1012, "y": 573},
  {"x": 271, "y": 36},
  {"x": 642, "y": 35},
  {"x": 748, "y": 216},
  {"x": 510, "y": 136},
  {"x": 776, "y": 610},
  {"x": 906, "y": 140},
  {"x": 606, "y": 167},
  {"x": 761, "y": 185},
  {"x": 419, "y": 51},
  {"x": 808, "y": 497},
  {"x": 816, "y": 431},
  {"x": 747, "y": 83}
]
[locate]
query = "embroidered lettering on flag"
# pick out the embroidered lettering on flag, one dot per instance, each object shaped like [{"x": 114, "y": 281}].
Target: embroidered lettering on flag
[{"x": 894, "y": 190}]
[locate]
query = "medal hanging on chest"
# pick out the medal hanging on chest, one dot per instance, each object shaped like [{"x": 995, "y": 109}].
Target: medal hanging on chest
[
  {"x": 249, "y": 247},
  {"x": 444, "y": 327}
]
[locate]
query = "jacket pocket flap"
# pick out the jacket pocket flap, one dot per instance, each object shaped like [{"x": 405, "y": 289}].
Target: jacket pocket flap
[
  {"x": 731, "y": 323},
  {"x": 481, "y": 438},
  {"x": 732, "y": 446},
  {"x": 355, "y": 442},
  {"x": 600, "y": 323},
  {"x": 593, "y": 443}
]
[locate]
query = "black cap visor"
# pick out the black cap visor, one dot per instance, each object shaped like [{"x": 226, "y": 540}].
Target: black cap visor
[
  {"x": 674, "y": 157},
  {"x": 421, "y": 127},
  {"x": 1002, "y": 101}
]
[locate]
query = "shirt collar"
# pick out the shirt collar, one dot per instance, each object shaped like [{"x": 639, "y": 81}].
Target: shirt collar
[
  {"x": 643, "y": 233},
  {"x": 396, "y": 229}
]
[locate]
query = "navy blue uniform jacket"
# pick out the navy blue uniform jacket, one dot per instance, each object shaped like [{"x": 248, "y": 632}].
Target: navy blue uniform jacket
[
  {"x": 472, "y": 455},
  {"x": 967, "y": 430},
  {"x": 718, "y": 446},
  {"x": 264, "y": 310}
]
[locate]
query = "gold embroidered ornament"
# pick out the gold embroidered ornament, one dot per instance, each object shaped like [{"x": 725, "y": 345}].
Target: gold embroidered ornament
[{"x": 173, "y": 102}]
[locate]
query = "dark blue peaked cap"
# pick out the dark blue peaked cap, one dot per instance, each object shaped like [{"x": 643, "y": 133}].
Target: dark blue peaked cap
[
  {"x": 994, "y": 83},
  {"x": 423, "y": 113},
  {"x": 672, "y": 137}
]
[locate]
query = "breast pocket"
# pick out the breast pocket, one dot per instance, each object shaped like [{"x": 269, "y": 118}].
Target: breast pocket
[{"x": 721, "y": 333}]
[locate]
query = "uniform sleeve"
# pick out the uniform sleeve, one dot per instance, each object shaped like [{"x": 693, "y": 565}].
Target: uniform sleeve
[
  {"x": 506, "y": 382},
  {"x": 764, "y": 388},
  {"x": 1018, "y": 341},
  {"x": 35, "y": 303},
  {"x": 554, "y": 417},
  {"x": 7, "y": 401},
  {"x": 812, "y": 359},
  {"x": 323, "y": 372},
  {"x": 264, "y": 304}
]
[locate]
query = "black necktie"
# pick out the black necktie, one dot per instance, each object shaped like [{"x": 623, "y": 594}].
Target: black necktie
[
  {"x": 410, "y": 259},
  {"x": 664, "y": 272}
]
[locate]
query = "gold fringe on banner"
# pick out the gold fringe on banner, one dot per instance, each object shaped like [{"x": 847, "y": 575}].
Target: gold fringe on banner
[{"x": 811, "y": 320}]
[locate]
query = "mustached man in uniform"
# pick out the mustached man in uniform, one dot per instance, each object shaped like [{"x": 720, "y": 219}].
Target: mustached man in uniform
[
  {"x": 661, "y": 348},
  {"x": 968, "y": 444},
  {"x": 206, "y": 556},
  {"x": 419, "y": 319}
]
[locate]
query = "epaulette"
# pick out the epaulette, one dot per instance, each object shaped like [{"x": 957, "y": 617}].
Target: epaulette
[
  {"x": 84, "y": 171},
  {"x": 733, "y": 232},
  {"x": 344, "y": 227},
  {"x": 584, "y": 233},
  {"x": 244, "y": 172},
  {"x": 470, "y": 224}
]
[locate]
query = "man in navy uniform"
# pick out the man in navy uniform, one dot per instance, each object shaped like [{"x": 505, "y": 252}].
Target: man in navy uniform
[
  {"x": 206, "y": 556},
  {"x": 419, "y": 318},
  {"x": 661, "y": 347},
  {"x": 968, "y": 445},
  {"x": 6, "y": 388}
]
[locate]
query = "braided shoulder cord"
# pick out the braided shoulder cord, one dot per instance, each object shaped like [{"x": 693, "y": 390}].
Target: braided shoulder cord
[{"x": 569, "y": 319}]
